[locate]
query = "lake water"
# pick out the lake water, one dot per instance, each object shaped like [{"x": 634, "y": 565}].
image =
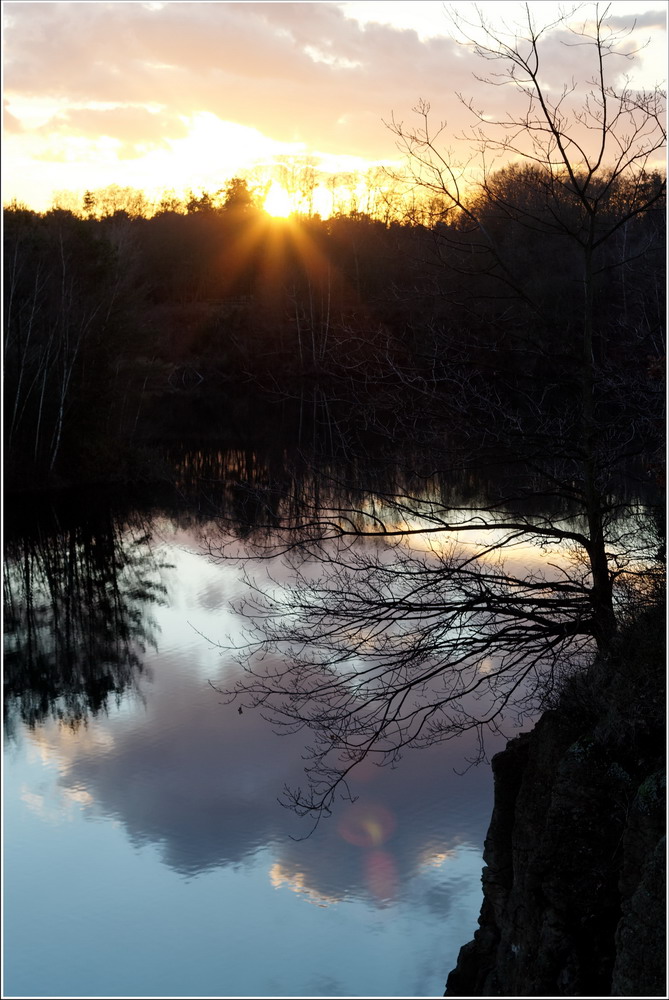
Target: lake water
[{"x": 146, "y": 853}]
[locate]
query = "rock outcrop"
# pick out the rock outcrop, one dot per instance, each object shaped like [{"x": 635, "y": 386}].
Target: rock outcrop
[{"x": 574, "y": 893}]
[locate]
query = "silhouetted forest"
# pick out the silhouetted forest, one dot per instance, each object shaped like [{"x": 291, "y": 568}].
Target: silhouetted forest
[{"x": 213, "y": 319}]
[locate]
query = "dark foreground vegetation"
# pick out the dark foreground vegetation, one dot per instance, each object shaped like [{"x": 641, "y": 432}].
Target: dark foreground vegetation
[{"x": 574, "y": 884}]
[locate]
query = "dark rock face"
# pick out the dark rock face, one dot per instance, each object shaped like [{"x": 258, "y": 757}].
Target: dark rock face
[{"x": 574, "y": 893}]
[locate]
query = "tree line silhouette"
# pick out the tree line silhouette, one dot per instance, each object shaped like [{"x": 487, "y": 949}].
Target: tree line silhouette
[{"x": 120, "y": 328}]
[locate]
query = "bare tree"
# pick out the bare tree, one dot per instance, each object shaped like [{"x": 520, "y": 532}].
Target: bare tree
[
  {"x": 64, "y": 286},
  {"x": 381, "y": 644},
  {"x": 584, "y": 148}
]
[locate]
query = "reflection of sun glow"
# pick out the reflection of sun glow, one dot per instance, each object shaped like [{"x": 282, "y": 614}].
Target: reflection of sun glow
[
  {"x": 497, "y": 545},
  {"x": 381, "y": 874},
  {"x": 435, "y": 859},
  {"x": 277, "y": 202},
  {"x": 297, "y": 882}
]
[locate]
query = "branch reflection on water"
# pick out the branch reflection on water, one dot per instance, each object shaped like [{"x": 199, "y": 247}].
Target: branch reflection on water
[
  {"x": 404, "y": 613},
  {"x": 83, "y": 611}
]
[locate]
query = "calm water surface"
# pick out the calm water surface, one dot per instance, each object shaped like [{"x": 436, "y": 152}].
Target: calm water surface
[{"x": 145, "y": 851}]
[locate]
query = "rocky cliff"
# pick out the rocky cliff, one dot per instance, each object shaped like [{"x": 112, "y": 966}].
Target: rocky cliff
[{"x": 574, "y": 893}]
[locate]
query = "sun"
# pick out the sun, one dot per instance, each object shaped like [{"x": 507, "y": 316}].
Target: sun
[{"x": 277, "y": 202}]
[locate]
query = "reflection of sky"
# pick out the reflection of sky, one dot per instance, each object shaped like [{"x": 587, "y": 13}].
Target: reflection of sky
[{"x": 148, "y": 855}]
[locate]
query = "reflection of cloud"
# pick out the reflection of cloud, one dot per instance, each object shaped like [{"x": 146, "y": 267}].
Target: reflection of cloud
[
  {"x": 58, "y": 745},
  {"x": 297, "y": 882},
  {"x": 186, "y": 772},
  {"x": 212, "y": 596},
  {"x": 439, "y": 898},
  {"x": 61, "y": 809},
  {"x": 79, "y": 795},
  {"x": 201, "y": 781},
  {"x": 435, "y": 860},
  {"x": 34, "y": 802}
]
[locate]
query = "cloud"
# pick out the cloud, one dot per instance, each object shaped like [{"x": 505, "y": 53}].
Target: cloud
[
  {"x": 297, "y": 73},
  {"x": 646, "y": 19},
  {"x": 249, "y": 63},
  {"x": 10, "y": 122},
  {"x": 137, "y": 129}
]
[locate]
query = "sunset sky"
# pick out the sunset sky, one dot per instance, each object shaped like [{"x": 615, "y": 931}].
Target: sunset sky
[{"x": 186, "y": 95}]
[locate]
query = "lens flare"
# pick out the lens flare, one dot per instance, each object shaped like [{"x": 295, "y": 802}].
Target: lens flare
[
  {"x": 368, "y": 826},
  {"x": 381, "y": 875}
]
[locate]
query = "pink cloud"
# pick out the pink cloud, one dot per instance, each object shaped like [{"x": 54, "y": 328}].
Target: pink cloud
[{"x": 294, "y": 71}]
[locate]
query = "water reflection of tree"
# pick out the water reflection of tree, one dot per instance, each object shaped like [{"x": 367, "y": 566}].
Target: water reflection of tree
[
  {"x": 404, "y": 620},
  {"x": 377, "y": 647},
  {"x": 76, "y": 623}
]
